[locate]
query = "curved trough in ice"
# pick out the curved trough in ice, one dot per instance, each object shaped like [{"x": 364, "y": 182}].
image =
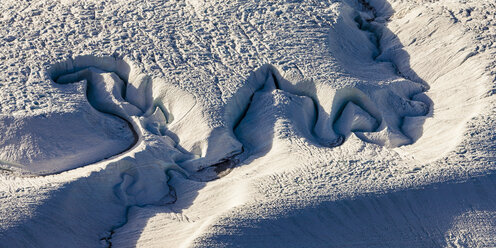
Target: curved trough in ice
[{"x": 116, "y": 110}]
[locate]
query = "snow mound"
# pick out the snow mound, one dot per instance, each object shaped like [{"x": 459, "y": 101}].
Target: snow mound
[
  {"x": 30, "y": 144},
  {"x": 115, "y": 92}
]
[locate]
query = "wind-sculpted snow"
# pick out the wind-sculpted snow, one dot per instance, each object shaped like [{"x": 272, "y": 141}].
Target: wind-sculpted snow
[
  {"x": 352, "y": 112},
  {"x": 325, "y": 116},
  {"x": 116, "y": 87},
  {"x": 374, "y": 114},
  {"x": 209, "y": 109},
  {"x": 378, "y": 105},
  {"x": 142, "y": 178}
]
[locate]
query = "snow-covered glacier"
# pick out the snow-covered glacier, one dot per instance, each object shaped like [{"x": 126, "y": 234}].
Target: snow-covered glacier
[{"x": 207, "y": 123}]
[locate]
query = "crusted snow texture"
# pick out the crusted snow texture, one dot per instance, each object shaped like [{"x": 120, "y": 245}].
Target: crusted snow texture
[{"x": 348, "y": 123}]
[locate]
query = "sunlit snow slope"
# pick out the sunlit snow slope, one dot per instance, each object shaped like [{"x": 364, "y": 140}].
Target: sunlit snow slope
[{"x": 344, "y": 123}]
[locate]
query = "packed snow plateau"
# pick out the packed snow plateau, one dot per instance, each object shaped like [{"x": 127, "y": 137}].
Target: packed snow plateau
[{"x": 207, "y": 123}]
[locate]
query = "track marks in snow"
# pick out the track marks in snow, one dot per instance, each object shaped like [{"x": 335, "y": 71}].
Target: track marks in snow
[
  {"x": 116, "y": 87},
  {"x": 113, "y": 88}
]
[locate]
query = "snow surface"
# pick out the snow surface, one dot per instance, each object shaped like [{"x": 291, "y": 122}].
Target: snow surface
[{"x": 344, "y": 123}]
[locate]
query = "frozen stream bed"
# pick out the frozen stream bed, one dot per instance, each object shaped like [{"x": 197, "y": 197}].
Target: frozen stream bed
[{"x": 191, "y": 123}]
